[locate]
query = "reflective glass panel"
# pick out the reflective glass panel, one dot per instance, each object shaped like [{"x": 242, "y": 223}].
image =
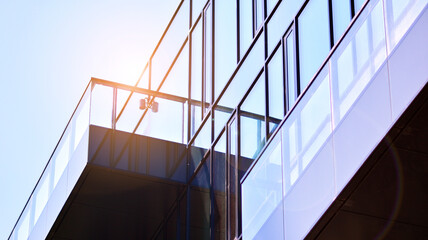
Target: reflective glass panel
[
  {"x": 170, "y": 45},
  {"x": 357, "y": 59},
  {"x": 245, "y": 25},
  {"x": 281, "y": 20},
  {"x": 258, "y": 13},
  {"x": 400, "y": 15},
  {"x": 358, "y": 4},
  {"x": 176, "y": 83},
  {"x": 219, "y": 187},
  {"x": 252, "y": 117},
  {"x": 208, "y": 56},
  {"x": 262, "y": 196},
  {"x": 196, "y": 78},
  {"x": 307, "y": 128},
  {"x": 101, "y": 106},
  {"x": 144, "y": 82},
  {"x": 270, "y": 4},
  {"x": 314, "y": 39},
  {"x": 276, "y": 90},
  {"x": 158, "y": 124},
  {"x": 290, "y": 59},
  {"x": 341, "y": 17},
  {"x": 200, "y": 145},
  {"x": 197, "y": 7},
  {"x": 232, "y": 165},
  {"x": 240, "y": 84},
  {"x": 131, "y": 113},
  {"x": 200, "y": 204},
  {"x": 225, "y": 43}
]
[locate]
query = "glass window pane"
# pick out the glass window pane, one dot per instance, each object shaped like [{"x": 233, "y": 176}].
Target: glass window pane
[
  {"x": 302, "y": 136},
  {"x": 144, "y": 82},
  {"x": 170, "y": 46},
  {"x": 176, "y": 83},
  {"x": 158, "y": 124},
  {"x": 200, "y": 146},
  {"x": 258, "y": 13},
  {"x": 281, "y": 20},
  {"x": 196, "y": 79},
  {"x": 102, "y": 106},
  {"x": 208, "y": 55},
  {"x": 252, "y": 117},
  {"x": 225, "y": 42},
  {"x": 290, "y": 69},
  {"x": 240, "y": 84},
  {"x": 131, "y": 113},
  {"x": 197, "y": 9},
  {"x": 219, "y": 187},
  {"x": 341, "y": 17},
  {"x": 400, "y": 15},
  {"x": 270, "y": 4},
  {"x": 358, "y": 4},
  {"x": 245, "y": 25},
  {"x": 262, "y": 196},
  {"x": 232, "y": 165},
  {"x": 314, "y": 39},
  {"x": 357, "y": 59},
  {"x": 276, "y": 90},
  {"x": 200, "y": 204}
]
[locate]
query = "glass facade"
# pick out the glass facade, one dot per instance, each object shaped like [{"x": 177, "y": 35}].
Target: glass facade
[{"x": 253, "y": 91}]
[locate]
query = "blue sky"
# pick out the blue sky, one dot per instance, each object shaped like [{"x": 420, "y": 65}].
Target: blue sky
[{"x": 49, "y": 50}]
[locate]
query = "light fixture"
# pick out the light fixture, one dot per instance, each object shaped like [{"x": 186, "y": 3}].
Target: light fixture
[{"x": 146, "y": 103}]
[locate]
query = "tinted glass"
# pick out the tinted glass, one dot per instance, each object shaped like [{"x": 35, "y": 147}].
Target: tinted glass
[
  {"x": 196, "y": 78},
  {"x": 341, "y": 17},
  {"x": 270, "y": 4},
  {"x": 219, "y": 187},
  {"x": 252, "y": 117},
  {"x": 358, "y": 4},
  {"x": 225, "y": 42},
  {"x": 208, "y": 55},
  {"x": 170, "y": 45},
  {"x": 245, "y": 25},
  {"x": 281, "y": 20},
  {"x": 176, "y": 82},
  {"x": 276, "y": 89},
  {"x": 200, "y": 204},
  {"x": 314, "y": 39},
  {"x": 258, "y": 13},
  {"x": 197, "y": 8},
  {"x": 240, "y": 84},
  {"x": 290, "y": 60}
]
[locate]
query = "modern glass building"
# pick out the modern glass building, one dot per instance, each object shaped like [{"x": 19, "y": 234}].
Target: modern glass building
[{"x": 262, "y": 119}]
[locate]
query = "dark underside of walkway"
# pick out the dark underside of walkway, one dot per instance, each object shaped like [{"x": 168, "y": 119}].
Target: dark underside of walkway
[
  {"x": 115, "y": 204},
  {"x": 388, "y": 197}
]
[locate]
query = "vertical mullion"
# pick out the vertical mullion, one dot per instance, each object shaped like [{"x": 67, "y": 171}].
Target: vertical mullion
[
  {"x": 212, "y": 226},
  {"x": 284, "y": 61},
  {"x": 352, "y": 2},
  {"x": 238, "y": 33},
  {"x": 212, "y": 53},
  {"x": 189, "y": 91},
  {"x": 330, "y": 16},
  {"x": 190, "y": 13},
  {"x": 296, "y": 55},
  {"x": 254, "y": 17},
  {"x": 203, "y": 62},
  {"x": 236, "y": 176}
]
